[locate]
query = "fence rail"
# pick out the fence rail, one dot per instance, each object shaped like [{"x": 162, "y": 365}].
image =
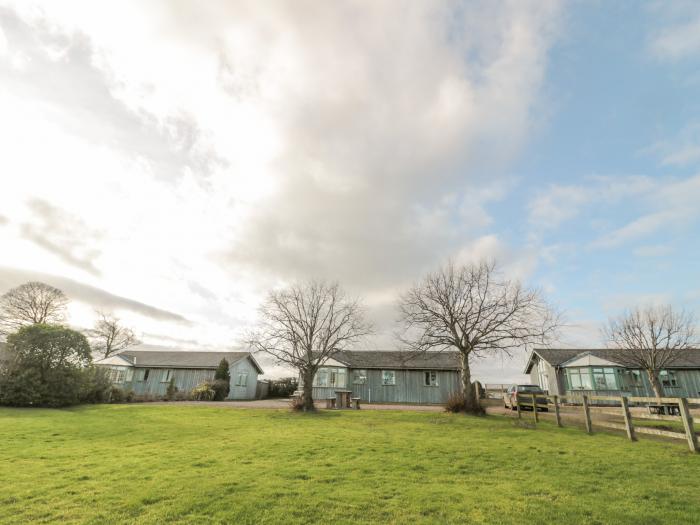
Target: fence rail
[{"x": 680, "y": 404}]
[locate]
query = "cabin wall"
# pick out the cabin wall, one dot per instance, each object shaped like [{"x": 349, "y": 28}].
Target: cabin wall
[
  {"x": 244, "y": 366},
  {"x": 688, "y": 385},
  {"x": 553, "y": 384},
  {"x": 409, "y": 387},
  {"x": 185, "y": 379}
]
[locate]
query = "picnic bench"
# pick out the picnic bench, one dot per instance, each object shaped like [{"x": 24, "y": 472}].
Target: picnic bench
[
  {"x": 343, "y": 398},
  {"x": 355, "y": 403},
  {"x": 671, "y": 409}
]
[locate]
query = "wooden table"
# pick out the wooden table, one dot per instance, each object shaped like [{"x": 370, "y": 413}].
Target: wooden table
[{"x": 343, "y": 398}]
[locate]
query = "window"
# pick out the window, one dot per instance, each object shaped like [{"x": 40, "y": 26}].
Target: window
[
  {"x": 359, "y": 377},
  {"x": 430, "y": 378},
  {"x": 331, "y": 377},
  {"x": 668, "y": 378},
  {"x": 321, "y": 378},
  {"x": 337, "y": 377},
  {"x": 146, "y": 374},
  {"x": 242, "y": 379},
  {"x": 167, "y": 377},
  {"x": 129, "y": 375},
  {"x": 117, "y": 375},
  {"x": 604, "y": 379},
  {"x": 579, "y": 379},
  {"x": 388, "y": 377}
]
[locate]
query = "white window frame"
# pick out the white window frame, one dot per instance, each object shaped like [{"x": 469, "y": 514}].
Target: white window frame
[
  {"x": 430, "y": 378},
  {"x": 321, "y": 378},
  {"x": 168, "y": 376},
  {"x": 384, "y": 377},
  {"x": 242, "y": 379}
]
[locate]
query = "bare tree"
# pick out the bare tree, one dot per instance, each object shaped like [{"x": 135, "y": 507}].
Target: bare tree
[
  {"x": 303, "y": 325},
  {"x": 472, "y": 310},
  {"x": 652, "y": 338},
  {"x": 109, "y": 337},
  {"x": 31, "y": 303}
]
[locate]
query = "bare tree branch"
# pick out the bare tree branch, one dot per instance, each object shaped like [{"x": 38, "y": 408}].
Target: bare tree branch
[
  {"x": 472, "y": 310},
  {"x": 109, "y": 337},
  {"x": 652, "y": 339},
  {"x": 303, "y": 325},
  {"x": 31, "y": 303}
]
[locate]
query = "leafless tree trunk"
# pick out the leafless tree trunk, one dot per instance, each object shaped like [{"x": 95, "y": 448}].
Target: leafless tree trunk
[
  {"x": 31, "y": 303},
  {"x": 652, "y": 339},
  {"x": 109, "y": 337},
  {"x": 471, "y": 310},
  {"x": 303, "y": 325}
]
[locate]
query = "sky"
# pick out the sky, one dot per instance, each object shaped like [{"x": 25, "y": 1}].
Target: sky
[{"x": 172, "y": 161}]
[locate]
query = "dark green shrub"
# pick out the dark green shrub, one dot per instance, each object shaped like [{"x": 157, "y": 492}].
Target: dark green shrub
[
  {"x": 21, "y": 387},
  {"x": 96, "y": 387},
  {"x": 284, "y": 387},
  {"x": 129, "y": 396},
  {"x": 222, "y": 381},
  {"x": 221, "y": 389},
  {"x": 118, "y": 395},
  {"x": 48, "y": 366}
]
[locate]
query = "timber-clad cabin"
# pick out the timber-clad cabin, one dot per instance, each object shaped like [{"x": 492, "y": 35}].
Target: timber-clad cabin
[
  {"x": 150, "y": 371},
  {"x": 389, "y": 376},
  {"x": 603, "y": 372}
]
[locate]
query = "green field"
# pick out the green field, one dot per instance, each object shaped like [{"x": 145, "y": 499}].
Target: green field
[{"x": 189, "y": 464}]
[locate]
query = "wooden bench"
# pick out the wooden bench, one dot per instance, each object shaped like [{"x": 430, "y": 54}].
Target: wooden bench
[
  {"x": 355, "y": 403},
  {"x": 330, "y": 402}
]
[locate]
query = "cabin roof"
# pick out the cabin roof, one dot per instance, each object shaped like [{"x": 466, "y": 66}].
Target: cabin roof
[
  {"x": 181, "y": 358},
  {"x": 399, "y": 360},
  {"x": 560, "y": 356}
]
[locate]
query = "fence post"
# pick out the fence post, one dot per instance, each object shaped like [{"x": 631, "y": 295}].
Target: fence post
[
  {"x": 534, "y": 407},
  {"x": 517, "y": 404},
  {"x": 556, "y": 410},
  {"x": 587, "y": 413},
  {"x": 688, "y": 424},
  {"x": 628, "y": 418}
]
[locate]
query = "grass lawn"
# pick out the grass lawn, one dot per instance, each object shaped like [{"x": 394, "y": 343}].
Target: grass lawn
[{"x": 190, "y": 464}]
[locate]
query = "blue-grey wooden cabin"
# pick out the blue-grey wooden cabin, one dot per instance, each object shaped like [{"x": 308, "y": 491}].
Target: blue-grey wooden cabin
[
  {"x": 603, "y": 372},
  {"x": 148, "y": 372},
  {"x": 389, "y": 376}
]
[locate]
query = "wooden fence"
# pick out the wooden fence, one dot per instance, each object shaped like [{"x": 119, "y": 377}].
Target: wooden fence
[{"x": 623, "y": 403}]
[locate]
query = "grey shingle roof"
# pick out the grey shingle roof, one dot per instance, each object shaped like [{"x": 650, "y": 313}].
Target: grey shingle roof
[
  {"x": 399, "y": 360},
  {"x": 557, "y": 356},
  {"x": 181, "y": 358}
]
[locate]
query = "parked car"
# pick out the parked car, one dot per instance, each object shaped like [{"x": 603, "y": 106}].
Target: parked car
[{"x": 509, "y": 400}]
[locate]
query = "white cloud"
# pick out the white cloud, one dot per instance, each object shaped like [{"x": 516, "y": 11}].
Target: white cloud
[
  {"x": 683, "y": 149},
  {"x": 678, "y": 36},
  {"x": 560, "y": 203},
  {"x": 224, "y": 147},
  {"x": 657, "y": 203}
]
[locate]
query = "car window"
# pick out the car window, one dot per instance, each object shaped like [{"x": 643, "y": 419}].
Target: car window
[{"x": 529, "y": 388}]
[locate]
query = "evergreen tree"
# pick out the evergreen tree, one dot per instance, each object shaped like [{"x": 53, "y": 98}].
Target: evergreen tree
[{"x": 222, "y": 381}]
